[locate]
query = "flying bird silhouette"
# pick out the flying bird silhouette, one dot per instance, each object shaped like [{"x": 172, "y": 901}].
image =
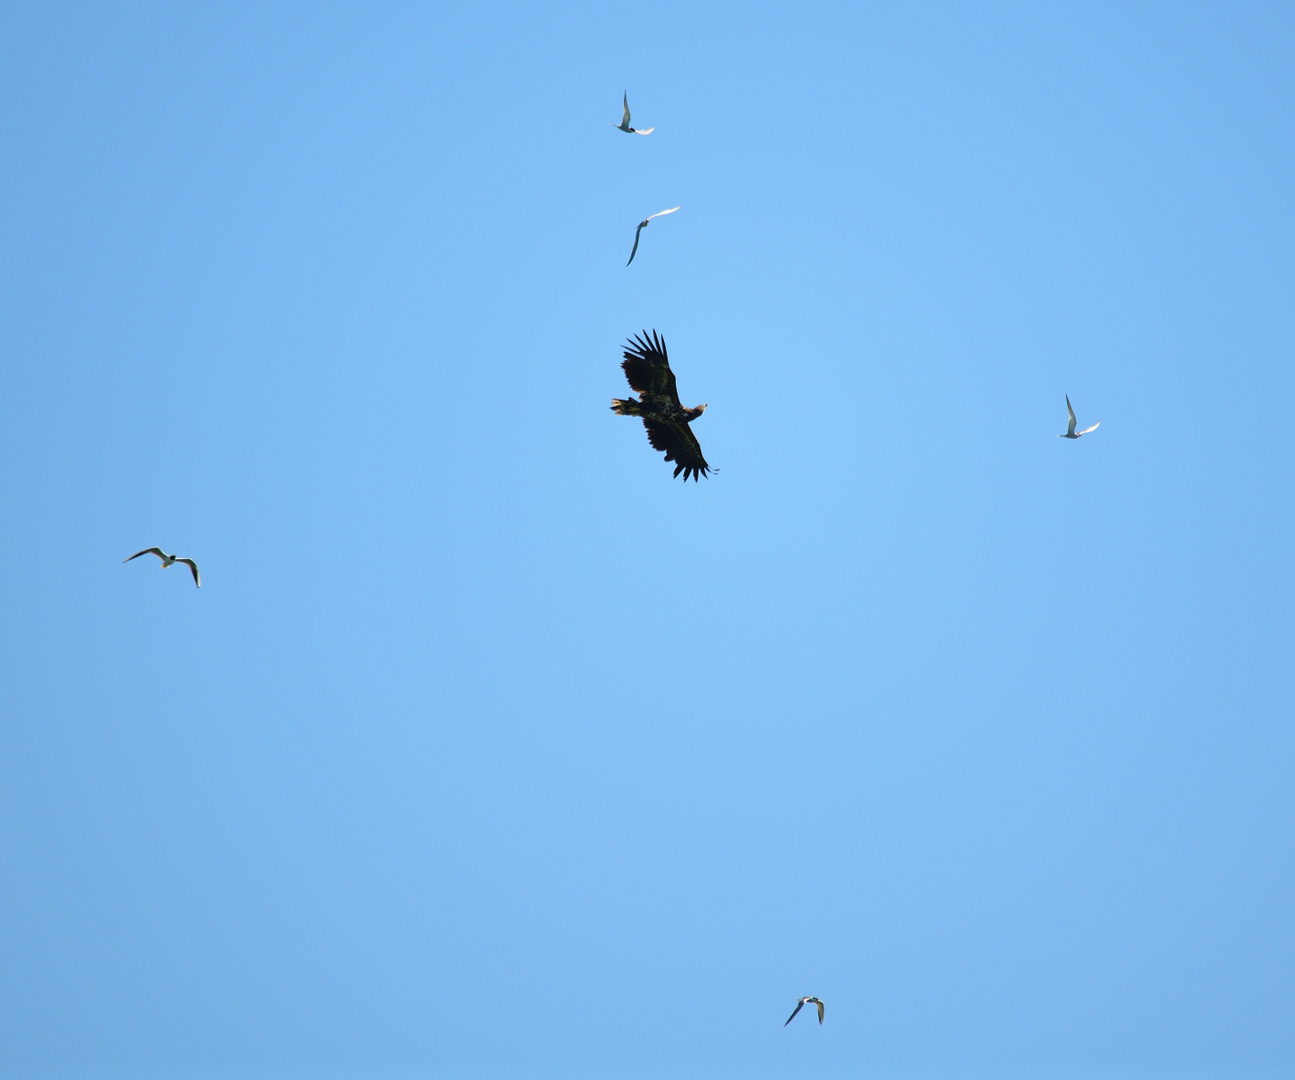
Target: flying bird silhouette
[
  {"x": 170, "y": 560},
  {"x": 1071, "y": 433},
  {"x": 643, "y": 225},
  {"x": 801, "y": 1004},
  {"x": 624, "y": 125},
  {"x": 647, "y": 369}
]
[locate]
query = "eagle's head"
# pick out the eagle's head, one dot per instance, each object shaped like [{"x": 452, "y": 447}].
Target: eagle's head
[{"x": 691, "y": 414}]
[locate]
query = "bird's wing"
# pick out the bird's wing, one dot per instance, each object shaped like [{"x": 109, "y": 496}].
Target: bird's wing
[
  {"x": 625, "y": 119},
  {"x": 659, "y": 213},
  {"x": 1088, "y": 429},
  {"x": 680, "y": 446},
  {"x": 820, "y": 1009},
  {"x": 1071, "y": 429},
  {"x": 636, "y": 241},
  {"x": 193, "y": 568},
  {"x": 644, "y": 131},
  {"x": 647, "y": 367},
  {"x": 147, "y": 551},
  {"x": 799, "y": 1005}
]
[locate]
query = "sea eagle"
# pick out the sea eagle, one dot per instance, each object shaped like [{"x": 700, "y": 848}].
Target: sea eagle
[
  {"x": 171, "y": 560},
  {"x": 801, "y": 1004},
  {"x": 1071, "y": 433},
  {"x": 647, "y": 368}
]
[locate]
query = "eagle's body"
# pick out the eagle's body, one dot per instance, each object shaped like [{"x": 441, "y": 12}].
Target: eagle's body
[{"x": 647, "y": 368}]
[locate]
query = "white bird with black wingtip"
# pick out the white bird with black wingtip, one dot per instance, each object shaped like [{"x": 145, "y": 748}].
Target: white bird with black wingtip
[
  {"x": 170, "y": 560},
  {"x": 1071, "y": 433},
  {"x": 624, "y": 125},
  {"x": 643, "y": 225},
  {"x": 801, "y": 1004}
]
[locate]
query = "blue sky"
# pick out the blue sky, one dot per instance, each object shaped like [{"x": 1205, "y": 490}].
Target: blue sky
[{"x": 488, "y": 749}]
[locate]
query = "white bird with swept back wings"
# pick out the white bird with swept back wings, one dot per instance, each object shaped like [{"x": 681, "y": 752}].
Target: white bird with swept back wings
[
  {"x": 643, "y": 225},
  {"x": 1071, "y": 433},
  {"x": 170, "y": 560},
  {"x": 801, "y": 1004},
  {"x": 624, "y": 125}
]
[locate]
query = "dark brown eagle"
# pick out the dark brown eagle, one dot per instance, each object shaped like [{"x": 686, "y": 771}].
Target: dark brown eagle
[{"x": 648, "y": 370}]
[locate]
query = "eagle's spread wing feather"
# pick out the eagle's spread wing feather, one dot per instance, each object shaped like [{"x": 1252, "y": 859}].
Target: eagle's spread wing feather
[
  {"x": 193, "y": 569},
  {"x": 820, "y": 1010},
  {"x": 680, "y": 446},
  {"x": 799, "y": 1005},
  {"x": 647, "y": 367}
]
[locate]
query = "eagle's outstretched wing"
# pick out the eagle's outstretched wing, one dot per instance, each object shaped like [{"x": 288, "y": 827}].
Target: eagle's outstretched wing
[
  {"x": 647, "y": 368},
  {"x": 193, "y": 569},
  {"x": 799, "y": 1005},
  {"x": 680, "y": 446}
]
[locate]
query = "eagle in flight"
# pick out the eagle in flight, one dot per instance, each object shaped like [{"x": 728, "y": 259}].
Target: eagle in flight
[{"x": 647, "y": 368}]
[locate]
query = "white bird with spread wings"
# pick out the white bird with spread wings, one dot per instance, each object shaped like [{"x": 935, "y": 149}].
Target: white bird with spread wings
[
  {"x": 643, "y": 225},
  {"x": 624, "y": 125},
  {"x": 170, "y": 560},
  {"x": 1071, "y": 433},
  {"x": 801, "y": 1004}
]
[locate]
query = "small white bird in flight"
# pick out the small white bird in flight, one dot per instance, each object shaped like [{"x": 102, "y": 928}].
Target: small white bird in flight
[
  {"x": 801, "y": 1004},
  {"x": 170, "y": 560},
  {"x": 1071, "y": 433},
  {"x": 643, "y": 225},
  {"x": 624, "y": 125}
]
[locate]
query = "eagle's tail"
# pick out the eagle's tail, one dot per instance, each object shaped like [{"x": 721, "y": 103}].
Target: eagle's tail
[{"x": 625, "y": 408}]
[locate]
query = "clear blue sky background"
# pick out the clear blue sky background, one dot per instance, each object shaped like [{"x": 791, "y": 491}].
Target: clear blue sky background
[{"x": 486, "y": 747}]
